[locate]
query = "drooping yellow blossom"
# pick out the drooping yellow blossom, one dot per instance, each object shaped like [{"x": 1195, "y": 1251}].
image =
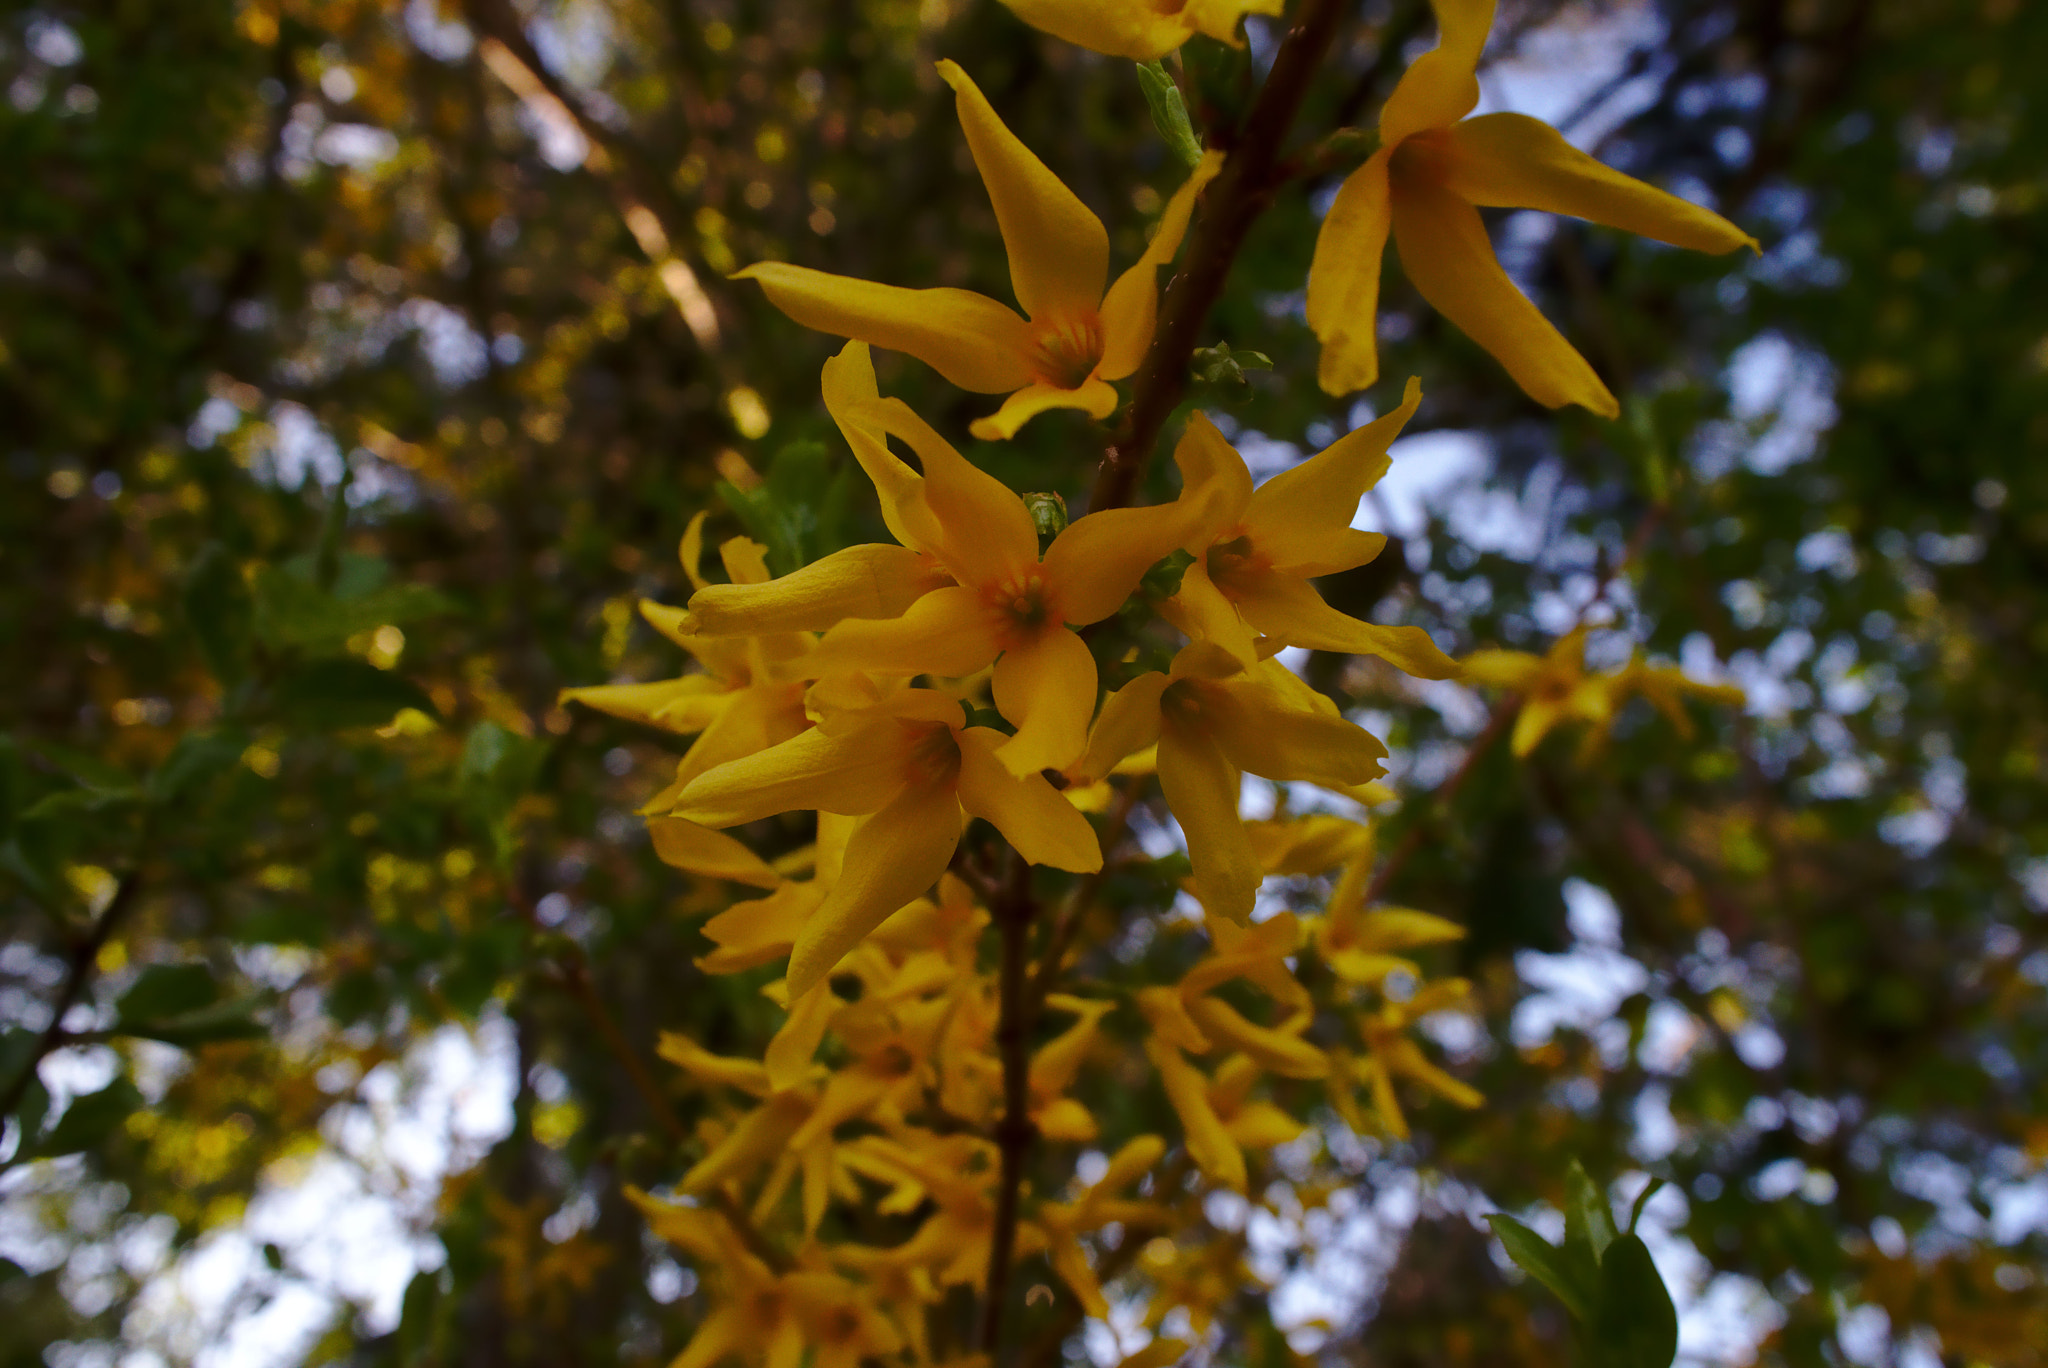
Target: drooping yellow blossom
[
  {"x": 1257, "y": 550},
  {"x": 1008, "y": 605},
  {"x": 1214, "y": 720},
  {"x": 910, "y": 765},
  {"x": 1556, "y": 687},
  {"x": 1099, "y": 1205},
  {"x": 1433, "y": 169},
  {"x": 1359, "y": 944},
  {"x": 1078, "y": 337},
  {"x": 1391, "y": 1053},
  {"x": 1141, "y": 30}
]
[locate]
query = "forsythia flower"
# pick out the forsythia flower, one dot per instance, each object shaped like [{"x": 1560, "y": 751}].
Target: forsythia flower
[
  {"x": 1555, "y": 686},
  {"x": 1424, "y": 182},
  {"x": 1257, "y": 549},
  {"x": 1078, "y": 337},
  {"x": 1139, "y": 29},
  {"x": 910, "y": 764}
]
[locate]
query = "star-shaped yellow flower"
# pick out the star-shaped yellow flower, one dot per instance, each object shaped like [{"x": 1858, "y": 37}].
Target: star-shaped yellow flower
[
  {"x": 1141, "y": 30},
  {"x": 1425, "y": 184},
  {"x": 1079, "y": 337}
]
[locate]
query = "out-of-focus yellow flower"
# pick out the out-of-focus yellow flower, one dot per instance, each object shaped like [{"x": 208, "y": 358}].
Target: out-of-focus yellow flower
[
  {"x": 910, "y": 765},
  {"x": 1100, "y": 1204},
  {"x": 1214, "y": 720},
  {"x": 1139, "y": 29},
  {"x": 1358, "y": 944},
  {"x": 1257, "y": 549},
  {"x": 1555, "y": 687},
  {"x": 1391, "y": 1053},
  {"x": 1079, "y": 337},
  {"x": 1433, "y": 168}
]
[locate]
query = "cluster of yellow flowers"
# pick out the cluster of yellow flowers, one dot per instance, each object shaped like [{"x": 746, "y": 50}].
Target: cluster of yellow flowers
[{"x": 871, "y": 1164}]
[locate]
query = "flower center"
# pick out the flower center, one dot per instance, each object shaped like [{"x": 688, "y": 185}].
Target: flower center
[
  {"x": 1024, "y": 604},
  {"x": 1180, "y": 703},
  {"x": 1234, "y": 565},
  {"x": 934, "y": 756},
  {"x": 1066, "y": 350}
]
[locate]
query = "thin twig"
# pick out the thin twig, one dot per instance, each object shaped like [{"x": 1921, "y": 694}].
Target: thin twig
[
  {"x": 85, "y": 953},
  {"x": 1014, "y": 911},
  {"x": 1233, "y": 202},
  {"x": 1496, "y": 726}
]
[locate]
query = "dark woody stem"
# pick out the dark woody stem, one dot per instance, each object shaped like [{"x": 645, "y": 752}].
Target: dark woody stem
[
  {"x": 1014, "y": 910},
  {"x": 1233, "y": 202}
]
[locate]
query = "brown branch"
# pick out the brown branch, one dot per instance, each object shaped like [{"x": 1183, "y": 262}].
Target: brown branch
[
  {"x": 1014, "y": 911},
  {"x": 85, "y": 953},
  {"x": 1240, "y": 193}
]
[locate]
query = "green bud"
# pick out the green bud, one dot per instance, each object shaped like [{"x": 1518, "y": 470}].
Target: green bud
[{"x": 1048, "y": 514}]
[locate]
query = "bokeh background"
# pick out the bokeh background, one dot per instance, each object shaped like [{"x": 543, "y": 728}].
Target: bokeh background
[{"x": 360, "y": 355}]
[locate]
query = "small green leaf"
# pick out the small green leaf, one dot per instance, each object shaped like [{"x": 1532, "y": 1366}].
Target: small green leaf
[
  {"x": 1587, "y": 1215},
  {"x": 197, "y": 758},
  {"x": 346, "y": 693},
  {"x": 89, "y": 1120},
  {"x": 1636, "y": 1325},
  {"x": 1547, "y": 1264},
  {"x": 81, "y": 802},
  {"x": 168, "y": 990},
  {"x": 1169, "y": 113},
  {"x": 219, "y": 611},
  {"x": 1635, "y": 1213}
]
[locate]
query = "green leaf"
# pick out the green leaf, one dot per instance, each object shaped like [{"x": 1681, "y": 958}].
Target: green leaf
[
  {"x": 220, "y": 611},
  {"x": 798, "y": 509},
  {"x": 294, "y": 613},
  {"x": 233, "y": 1020},
  {"x": 1636, "y": 1325},
  {"x": 1555, "y": 1268},
  {"x": 197, "y": 758},
  {"x": 1169, "y": 113},
  {"x": 89, "y": 1120},
  {"x": 1587, "y": 1216},
  {"x": 81, "y": 802},
  {"x": 1635, "y": 1213},
  {"x": 346, "y": 693},
  {"x": 167, "y": 990}
]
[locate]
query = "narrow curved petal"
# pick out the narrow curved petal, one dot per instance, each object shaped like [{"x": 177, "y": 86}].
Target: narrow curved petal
[
  {"x": 1059, "y": 250},
  {"x": 894, "y": 856},
  {"x": 1443, "y": 84},
  {"x": 1046, "y": 688},
  {"x": 1209, "y": 1145},
  {"x": 1135, "y": 31},
  {"x": 1261, "y": 1125},
  {"x": 970, "y": 339},
  {"x": 700, "y": 850},
  {"x": 1255, "y": 728},
  {"x": 854, "y": 772},
  {"x": 1301, "y": 518},
  {"x": 947, "y": 632},
  {"x": 987, "y": 534},
  {"x": 1131, "y": 308},
  {"x": 683, "y": 706},
  {"x": 1219, "y": 18},
  {"x": 691, "y": 551},
  {"x": 1275, "y": 1051},
  {"x": 1033, "y": 816},
  {"x": 1096, "y": 563},
  {"x": 1502, "y": 669},
  {"x": 1128, "y": 723},
  {"x": 1214, "y": 478},
  {"x": 1202, "y": 787},
  {"x": 1200, "y": 610},
  {"x": 719, "y": 1335},
  {"x": 848, "y": 381},
  {"x": 876, "y": 580},
  {"x": 1344, "y": 278},
  {"x": 1533, "y": 723},
  {"x": 1446, "y": 253},
  {"x": 1291, "y": 611},
  {"x": 1093, "y": 397},
  {"x": 1516, "y": 162}
]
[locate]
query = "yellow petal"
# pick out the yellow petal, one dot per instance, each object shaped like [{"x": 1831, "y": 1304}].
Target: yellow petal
[
  {"x": 759, "y": 717},
  {"x": 1300, "y": 520},
  {"x": 1310, "y": 844},
  {"x": 1344, "y": 278},
  {"x": 1166, "y": 1012},
  {"x": 1093, "y": 397},
  {"x": 1096, "y": 563},
  {"x": 894, "y": 856},
  {"x": 1058, "y": 1061},
  {"x": 1130, "y": 310},
  {"x": 1261, "y": 1125},
  {"x": 1199, "y": 609},
  {"x": 1443, "y": 84},
  {"x": 1129, "y": 722},
  {"x": 1445, "y": 251},
  {"x": 1202, "y": 789},
  {"x": 988, "y": 535},
  {"x": 1259, "y": 732},
  {"x": 712, "y": 1070},
  {"x": 1046, "y": 688},
  {"x": 1032, "y": 815},
  {"x": 700, "y": 850},
  {"x": 857, "y": 771},
  {"x": 691, "y": 552},
  {"x": 1214, "y": 478},
  {"x": 720, "y": 1334},
  {"x": 788, "y": 1057},
  {"x": 1209, "y": 1145},
  {"x": 948, "y": 631},
  {"x": 1066, "y": 1121},
  {"x": 1136, "y": 31},
  {"x": 848, "y": 381},
  {"x": 1059, "y": 251},
  {"x": 1533, "y": 723},
  {"x": 1219, "y": 18},
  {"x": 1291, "y": 611},
  {"x": 870, "y": 581},
  {"x": 1273, "y": 1050},
  {"x": 745, "y": 560},
  {"x": 1071, "y": 1263},
  {"x": 970, "y": 339},
  {"x": 1514, "y": 161},
  {"x": 1357, "y": 966},
  {"x": 682, "y": 706},
  {"x": 1502, "y": 669},
  {"x": 760, "y": 930}
]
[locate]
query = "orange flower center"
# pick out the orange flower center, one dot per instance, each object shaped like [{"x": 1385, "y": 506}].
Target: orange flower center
[
  {"x": 1234, "y": 566},
  {"x": 1024, "y": 603},
  {"x": 1066, "y": 351},
  {"x": 1180, "y": 703},
  {"x": 934, "y": 756}
]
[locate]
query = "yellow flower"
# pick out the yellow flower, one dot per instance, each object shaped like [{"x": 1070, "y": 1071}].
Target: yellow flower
[
  {"x": 1063, "y": 1223},
  {"x": 910, "y": 765},
  {"x": 1056, "y": 1065},
  {"x": 1139, "y": 29},
  {"x": 1392, "y": 1054},
  {"x": 1423, "y": 184},
  {"x": 1078, "y": 337},
  {"x": 1009, "y": 606},
  {"x": 1555, "y": 686},
  {"x": 1357, "y": 944},
  {"x": 1257, "y": 549},
  {"x": 1214, "y": 720}
]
